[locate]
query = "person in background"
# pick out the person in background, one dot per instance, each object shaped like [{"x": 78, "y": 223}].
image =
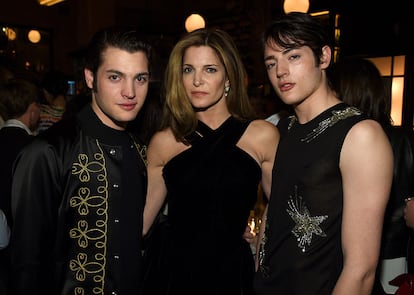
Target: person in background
[
  {"x": 331, "y": 178},
  {"x": 409, "y": 221},
  {"x": 76, "y": 103},
  {"x": 207, "y": 162},
  {"x": 5, "y": 76},
  {"x": 358, "y": 82},
  {"x": 4, "y": 242},
  {"x": 19, "y": 105},
  {"x": 79, "y": 187},
  {"x": 54, "y": 86}
]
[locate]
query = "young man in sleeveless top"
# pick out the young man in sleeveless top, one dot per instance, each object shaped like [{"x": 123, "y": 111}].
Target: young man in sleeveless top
[{"x": 331, "y": 178}]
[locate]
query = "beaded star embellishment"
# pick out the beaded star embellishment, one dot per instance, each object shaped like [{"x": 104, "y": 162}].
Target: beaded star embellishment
[{"x": 306, "y": 225}]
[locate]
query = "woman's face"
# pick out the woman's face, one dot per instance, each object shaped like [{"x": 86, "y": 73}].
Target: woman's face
[{"x": 204, "y": 77}]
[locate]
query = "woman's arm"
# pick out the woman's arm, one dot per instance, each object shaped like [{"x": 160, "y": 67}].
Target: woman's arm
[
  {"x": 261, "y": 142},
  {"x": 163, "y": 146}
]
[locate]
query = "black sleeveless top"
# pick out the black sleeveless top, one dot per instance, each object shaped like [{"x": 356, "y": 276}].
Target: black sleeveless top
[{"x": 302, "y": 246}]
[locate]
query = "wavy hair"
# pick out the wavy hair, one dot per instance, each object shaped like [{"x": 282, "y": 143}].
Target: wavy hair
[{"x": 178, "y": 113}]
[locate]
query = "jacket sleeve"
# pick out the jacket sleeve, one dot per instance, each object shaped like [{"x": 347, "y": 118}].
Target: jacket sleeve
[{"x": 35, "y": 200}]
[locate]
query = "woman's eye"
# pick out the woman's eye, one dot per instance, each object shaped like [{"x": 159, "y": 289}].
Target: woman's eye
[{"x": 211, "y": 70}]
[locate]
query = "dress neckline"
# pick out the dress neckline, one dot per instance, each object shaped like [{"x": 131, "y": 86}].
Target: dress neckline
[{"x": 204, "y": 131}]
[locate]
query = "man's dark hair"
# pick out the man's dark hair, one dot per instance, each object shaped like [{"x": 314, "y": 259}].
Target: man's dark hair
[
  {"x": 119, "y": 37},
  {"x": 298, "y": 29}
]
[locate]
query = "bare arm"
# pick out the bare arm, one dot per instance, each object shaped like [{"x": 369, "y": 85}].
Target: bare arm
[
  {"x": 366, "y": 165},
  {"x": 161, "y": 149},
  {"x": 261, "y": 142}
]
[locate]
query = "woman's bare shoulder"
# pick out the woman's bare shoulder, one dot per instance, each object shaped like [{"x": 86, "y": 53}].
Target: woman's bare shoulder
[{"x": 164, "y": 145}]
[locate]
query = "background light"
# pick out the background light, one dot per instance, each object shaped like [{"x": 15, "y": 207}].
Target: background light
[
  {"x": 296, "y": 5},
  {"x": 10, "y": 33},
  {"x": 194, "y": 22},
  {"x": 49, "y": 2},
  {"x": 34, "y": 36}
]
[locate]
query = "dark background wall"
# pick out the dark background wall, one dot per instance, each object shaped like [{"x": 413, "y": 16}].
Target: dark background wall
[{"x": 368, "y": 27}]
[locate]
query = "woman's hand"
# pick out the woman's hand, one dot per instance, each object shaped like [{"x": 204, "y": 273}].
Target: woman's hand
[{"x": 249, "y": 235}]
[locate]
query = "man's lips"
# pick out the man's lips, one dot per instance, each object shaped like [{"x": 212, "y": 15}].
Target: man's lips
[
  {"x": 286, "y": 86},
  {"x": 128, "y": 106}
]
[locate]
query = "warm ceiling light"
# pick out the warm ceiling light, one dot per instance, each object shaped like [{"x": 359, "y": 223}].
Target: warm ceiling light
[
  {"x": 49, "y": 2},
  {"x": 34, "y": 36},
  {"x": 296, "y": 5},
  {"x": 319, "y": 13},
  {"x": 194, "y": 22},
  {"x": 10, "y": 33}
]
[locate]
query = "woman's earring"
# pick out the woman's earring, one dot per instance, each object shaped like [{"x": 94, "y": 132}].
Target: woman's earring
[{"x": 226, "y": 89}]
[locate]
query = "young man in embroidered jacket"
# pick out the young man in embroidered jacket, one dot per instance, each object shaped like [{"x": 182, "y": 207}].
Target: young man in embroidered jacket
[{"x": 79, "y": 187}]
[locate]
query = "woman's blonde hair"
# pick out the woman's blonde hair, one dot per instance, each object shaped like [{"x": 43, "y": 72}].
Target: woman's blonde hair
[{"x": 178, "y": 113}]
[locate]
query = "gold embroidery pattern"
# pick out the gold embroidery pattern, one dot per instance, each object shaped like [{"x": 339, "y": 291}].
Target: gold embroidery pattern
[
  {"x": 142, "y": 151},
  {"x": 84, "y": 167},
  {"x": 329, "y": 122},
  {"x": 95, "y": 206}
]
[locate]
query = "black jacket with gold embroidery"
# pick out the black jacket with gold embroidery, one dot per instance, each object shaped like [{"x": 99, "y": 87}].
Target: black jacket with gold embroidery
[{"x": 77, "y": 200}]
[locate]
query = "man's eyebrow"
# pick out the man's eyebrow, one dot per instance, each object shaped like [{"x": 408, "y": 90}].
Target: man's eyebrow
[
  {"x": 111, "y": 71},
  {"x": 285, "y": 51}
]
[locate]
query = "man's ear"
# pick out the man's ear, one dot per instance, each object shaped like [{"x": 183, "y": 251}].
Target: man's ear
[
  {"x": 325, "y": 59},
  {"x": 88, "y": 78}
]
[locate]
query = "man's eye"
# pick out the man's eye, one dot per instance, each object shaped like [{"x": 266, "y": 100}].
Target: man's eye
[
  {"x": 113, "y": 77},
  {"x": 142, "y": 78}
]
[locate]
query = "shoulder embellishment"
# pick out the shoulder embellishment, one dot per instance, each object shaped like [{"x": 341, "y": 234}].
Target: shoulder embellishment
[{"x": 329, "y": 122}]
